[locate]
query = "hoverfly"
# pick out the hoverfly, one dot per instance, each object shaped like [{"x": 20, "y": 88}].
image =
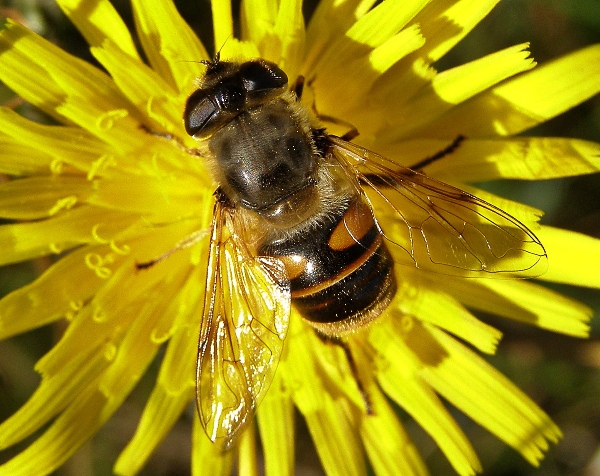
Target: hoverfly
[{"x": 295, "y": 223}]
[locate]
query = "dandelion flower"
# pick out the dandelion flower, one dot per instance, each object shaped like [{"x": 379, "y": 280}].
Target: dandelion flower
[{"x": 103, "y": 190}]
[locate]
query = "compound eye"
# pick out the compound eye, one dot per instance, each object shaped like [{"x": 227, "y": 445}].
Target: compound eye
[
  {"x": 199, "y": 112},
  {"x": 262, "y": 77},
  {"x": 206, "y": 111}
]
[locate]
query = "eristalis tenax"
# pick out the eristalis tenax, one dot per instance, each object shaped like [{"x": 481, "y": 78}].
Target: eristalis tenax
[{"x": 295, "y": 224}]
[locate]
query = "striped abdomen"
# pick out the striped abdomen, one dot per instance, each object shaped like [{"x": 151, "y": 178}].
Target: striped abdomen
[{"x": 340, "y": 270}]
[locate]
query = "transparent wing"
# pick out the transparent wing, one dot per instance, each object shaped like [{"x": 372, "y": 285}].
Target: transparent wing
[
  {"x": 244, "y": 322},
  {"x": 437, "y": 227}
]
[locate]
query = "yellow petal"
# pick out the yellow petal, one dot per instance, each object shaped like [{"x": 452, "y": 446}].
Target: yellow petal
[
  {"x": 378, "y": 25},
  {"x": 25, "y": 77},
  {"x": 136, "y": 349},
  {"x": 66, "y": 145},
  {"x": 420, "y": 298},
  {"x": 208, "y": 458},
  {"x": 235, "y": 50},
  {"x": 118, "y": 127},
  {"x": 133, "y": 354},
  {"x": 573, "y": 257},
  {"x": 544, "y": 308},
  {"x": 338, "y": 92},
  {"x": 65, "y": 436},
  {"x": 331, "y": 429},
  {"x": 53, "y": 395},
  {"x": 171, "y": 395},
  {"x": 23, "y": 241},
  {"x": 529, "y": 158},
  {"x": 40, "y": 197},
  {"x": 372, "y": 29},
  {"x": 277, "y": 30},
  {"x": 152, "y": 96},
  {"x": 390, "y": 449},
  {"x": 247, "y": 452},
  {"x": 527, "y": 100},
  {"x": 258, "y": 18},
  {"x": 447, "y": 89},
  {"x": 110, "y": 312},
  {"x": 99, "y": 21},
  {"x": 490, "y": 399},
  {"x": 161, "y": 412},
  {"x": 84, "y": 333},
  {"x": 167, "y": 200},
  {"x": 178, "y": 368},
  {"x": 289, "y": 29},
  {"x": 222, "y": 22},
  {"x": 276, "y": 426},
  {"x": 46, "y": 76},
  {"x": 384, "y": 56},
  {"x": 479, "y": 160},
  {"x": 445, "y": 22},
  {"x": 528, "y": 215},
  {"x": 296, "y": 363},
  {"x": 18, "y": 159},
  {"x": 523, "y": 301},
  {"x": 172, "y": 48},
  {"x": 329, "y": 22},
  {"x": 336, "y": 441},
  {"x": 350, "y": 65},
  {"x": 61, "y": 291},
  {"x": 403, "y": 351},
  {"x": 183, "y": 328}
]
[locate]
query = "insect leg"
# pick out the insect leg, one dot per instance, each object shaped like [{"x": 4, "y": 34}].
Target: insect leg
[
  {"x": 353, "y": 367},
  {"x": 171, "y": 137},
  {"x": 183, "y": 244},
  {"x": 438, "y": 155},
  {"x": 298, "y": 86}
]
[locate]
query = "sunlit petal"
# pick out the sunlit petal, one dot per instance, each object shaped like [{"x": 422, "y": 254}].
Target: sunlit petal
[
  {"x": 527, "y": 100},
  {"x": 99, "y": 21},
  {"x": 170, "y": 45}
]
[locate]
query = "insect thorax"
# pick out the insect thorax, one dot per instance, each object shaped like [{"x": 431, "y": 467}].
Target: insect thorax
[{"x": 265, "y": 157}]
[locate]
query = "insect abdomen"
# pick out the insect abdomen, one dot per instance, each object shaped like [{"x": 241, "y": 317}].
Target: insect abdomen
[{"x": 341, "y": 272}]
